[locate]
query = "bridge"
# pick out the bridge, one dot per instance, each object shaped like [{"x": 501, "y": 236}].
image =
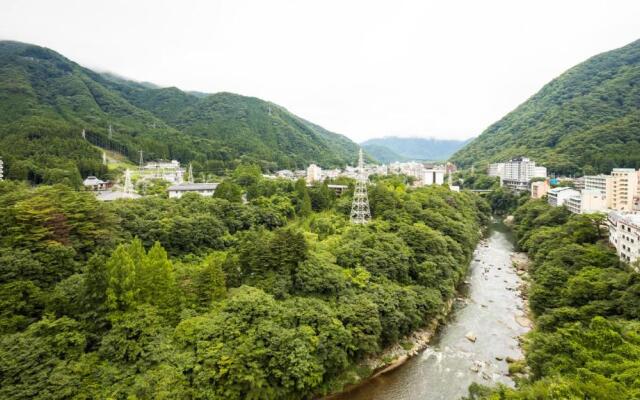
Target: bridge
[{"x": 480, "y": 190}]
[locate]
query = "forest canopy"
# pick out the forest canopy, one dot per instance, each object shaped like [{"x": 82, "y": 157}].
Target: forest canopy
[{"x": 198, "y": 297}]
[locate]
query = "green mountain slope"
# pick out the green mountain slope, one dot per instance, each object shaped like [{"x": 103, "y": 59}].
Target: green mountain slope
[
  {"x": 586, "y": 120},
  {"x": 399, "y": 149},
  {"x": 47, "y": 100},
  {"x": 244, "y": 125},
  {"x": 382, "y": 153}
]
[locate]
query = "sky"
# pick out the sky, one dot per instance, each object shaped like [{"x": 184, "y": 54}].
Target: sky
[{"x": 445, "y": 69}]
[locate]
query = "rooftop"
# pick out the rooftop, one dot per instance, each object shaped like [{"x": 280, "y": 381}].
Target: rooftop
[
  {"x": 110, "y": 196},
  {"x": 187, "y": 187},
  {"x": 561, "y": 189}
]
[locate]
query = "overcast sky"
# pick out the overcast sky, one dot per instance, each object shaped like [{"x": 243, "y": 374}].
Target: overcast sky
[{"x": 443, "y": 69}]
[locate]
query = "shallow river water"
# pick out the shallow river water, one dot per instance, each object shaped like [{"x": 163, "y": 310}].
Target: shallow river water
[{"x": 448, "y": 366}]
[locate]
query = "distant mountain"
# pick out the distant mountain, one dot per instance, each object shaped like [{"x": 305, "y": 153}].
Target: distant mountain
[
  {"x": 394, "y": 148},
  {"x": 47, "y": 100},
  {"x": 382, "y": 153},
  {"x": 585, "y": 121}
]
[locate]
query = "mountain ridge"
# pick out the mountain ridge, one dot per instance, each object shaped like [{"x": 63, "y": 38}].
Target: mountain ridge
[
  {"x": 587, "y": 120},
  {"x": 46, "y": 100},
  {"x": 394, "y": 148}
]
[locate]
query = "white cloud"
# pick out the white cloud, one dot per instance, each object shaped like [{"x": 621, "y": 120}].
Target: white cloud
[{"x": 361, "y": 68}]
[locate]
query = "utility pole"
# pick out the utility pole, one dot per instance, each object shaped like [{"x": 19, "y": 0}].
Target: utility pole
[
  {"x": 141, "y": 161},
  {"x": 110, "y": 132},
  {"x": 360, "y": 213}
]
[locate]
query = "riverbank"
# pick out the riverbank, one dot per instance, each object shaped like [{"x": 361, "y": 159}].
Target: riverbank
[
  {"x": 395, "y": 355},
  {"x": 521, "y": 263},
  {"x": 410, "y": 346},
  {"x": 489, "y": 314}
]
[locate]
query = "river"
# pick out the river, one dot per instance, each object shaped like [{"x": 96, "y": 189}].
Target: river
[{"x": 489, "y": 307}]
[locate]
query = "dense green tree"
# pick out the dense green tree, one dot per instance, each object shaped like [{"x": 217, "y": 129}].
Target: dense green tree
[{"x": 229, "y": 190}]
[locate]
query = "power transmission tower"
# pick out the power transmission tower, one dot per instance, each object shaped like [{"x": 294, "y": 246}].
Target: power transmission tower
[
  {"x": 360, "y": 213},
  {"x": 190, "y": 173},
  {"x": 84, "y": 134},
  {"x": 141, "y": 161},
  {"x": 128, "y": 186}
]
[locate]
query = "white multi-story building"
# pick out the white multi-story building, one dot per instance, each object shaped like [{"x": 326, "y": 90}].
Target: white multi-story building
[
  {"x": 169, "y": 171},
  {"x": 558, "y": 196},
  {"x": 522, "y": 169},
  {"x": 314, "y": 173},
  {"x": 433, "y": 177},
  {"x": 597, "y": 182},
  {"x": 586, "y": 201},
  {"x": 624, "y": 234},
  {"x": 517, "y": 173},
  {"x": 496, "y": 169}
]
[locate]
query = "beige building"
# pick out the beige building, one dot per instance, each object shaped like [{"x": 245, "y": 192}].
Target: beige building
[
  {"x": 621, "y": 189},
  {"x": 314, "y": 173},
  {"x": 587, "y": 201},
  {"x": 539, "y": 189}
]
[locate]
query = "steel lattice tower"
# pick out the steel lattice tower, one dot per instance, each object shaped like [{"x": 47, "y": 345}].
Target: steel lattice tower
[{"x": 360, "y": 213}]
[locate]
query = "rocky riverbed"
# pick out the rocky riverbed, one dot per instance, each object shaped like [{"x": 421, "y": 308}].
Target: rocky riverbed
[{"x": 478, "y": 342}]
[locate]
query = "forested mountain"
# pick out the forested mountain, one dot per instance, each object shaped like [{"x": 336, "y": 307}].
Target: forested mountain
[
  {"x": 382, "y": 153},
  {"x": 395, "y": 148},
  {"x": 586, "y": 120},
  {"x": 47, "y": 100}
]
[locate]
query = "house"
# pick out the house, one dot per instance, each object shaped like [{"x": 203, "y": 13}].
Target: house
[
  {"x": 93, "y": 183},
  {"x": 203, "y": 189}
]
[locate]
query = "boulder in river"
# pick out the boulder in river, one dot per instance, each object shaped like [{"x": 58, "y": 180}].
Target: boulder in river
[{"x": 471, "y": 337}]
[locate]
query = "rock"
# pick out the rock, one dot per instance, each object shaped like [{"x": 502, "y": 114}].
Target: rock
[
  {"x": 485, "y": 376},
  {"x": 523, "y": 321},
  {"x": 474, "y": 368},
  {"x": 509, "y": 360},
  {"x": 499, "y": 358},
  {"x": 471, "y": 337}
]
